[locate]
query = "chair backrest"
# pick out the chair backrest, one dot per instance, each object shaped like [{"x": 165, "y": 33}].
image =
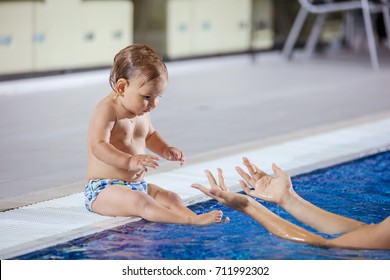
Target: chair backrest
[
  {"x": 323, "y": 6},
  {"x": 329, "y": 6}
]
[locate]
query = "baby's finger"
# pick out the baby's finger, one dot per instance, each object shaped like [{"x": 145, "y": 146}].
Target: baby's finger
[
  {"x": 182, "y": 158},
  {"x": 150, "y": 162},
  {"x": 151, "y": 157}
]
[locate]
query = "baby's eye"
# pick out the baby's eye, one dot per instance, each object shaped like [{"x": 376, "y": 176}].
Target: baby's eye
[{"x": 147, "y": 97}]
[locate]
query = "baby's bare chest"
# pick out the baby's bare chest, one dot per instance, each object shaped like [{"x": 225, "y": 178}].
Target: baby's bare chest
[{"x": 129, "y": 130}]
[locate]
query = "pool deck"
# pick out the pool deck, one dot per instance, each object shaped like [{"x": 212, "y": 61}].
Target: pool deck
[{"x": 51, "y": 222}]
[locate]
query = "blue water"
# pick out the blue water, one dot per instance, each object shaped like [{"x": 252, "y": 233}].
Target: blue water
[{"x": 358, "y": 189}]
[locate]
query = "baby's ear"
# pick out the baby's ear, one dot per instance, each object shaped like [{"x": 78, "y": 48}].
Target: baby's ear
[{"x": 121, "y": 85}]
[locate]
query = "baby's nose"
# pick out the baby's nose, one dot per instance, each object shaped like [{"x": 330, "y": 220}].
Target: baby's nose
[{"x": 153, "y": 103}]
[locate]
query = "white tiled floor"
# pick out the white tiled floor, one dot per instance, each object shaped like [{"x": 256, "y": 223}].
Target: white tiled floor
[{"x": 47, "y": 223}]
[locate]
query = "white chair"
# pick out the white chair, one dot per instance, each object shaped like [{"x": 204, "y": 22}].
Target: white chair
[{"x": 322, "y": 8}]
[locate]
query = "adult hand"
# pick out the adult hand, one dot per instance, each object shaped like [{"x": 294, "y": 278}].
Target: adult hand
[
  {"x": 221, "y": 193},
  {"x": 264, "y": 186}
]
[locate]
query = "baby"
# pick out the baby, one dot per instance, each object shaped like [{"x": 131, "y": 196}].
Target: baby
[{"x": 119, "y": 132}]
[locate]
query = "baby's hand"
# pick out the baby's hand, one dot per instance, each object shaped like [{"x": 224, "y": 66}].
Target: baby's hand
[
  {"x": 142, "y": 162},
  {"x": 174, "y": 154}
]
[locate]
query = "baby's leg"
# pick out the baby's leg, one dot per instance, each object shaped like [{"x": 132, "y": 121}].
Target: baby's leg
[
  {"x": 122, "y": 201},
  {"x": 173, "y": 202},
  {"x": 169, "y": 199}
]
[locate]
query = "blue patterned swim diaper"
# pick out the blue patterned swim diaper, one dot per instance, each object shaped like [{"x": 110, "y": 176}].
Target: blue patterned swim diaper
[{"x": 94, "y": 187}]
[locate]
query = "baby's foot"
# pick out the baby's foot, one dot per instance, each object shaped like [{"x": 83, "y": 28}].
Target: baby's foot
[{"x": 208, "y": 218}]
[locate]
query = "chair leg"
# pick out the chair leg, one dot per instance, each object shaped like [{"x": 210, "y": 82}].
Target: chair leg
[
  {"x": 386, "y": 18},
  {"x": 294, "y": 33},
  {"x": 370, "y": 34},
  {"x": 314, "y": 35}
]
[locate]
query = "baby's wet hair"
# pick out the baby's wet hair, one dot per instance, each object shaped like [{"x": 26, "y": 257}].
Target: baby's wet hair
[{"x": 137, "y": 60}]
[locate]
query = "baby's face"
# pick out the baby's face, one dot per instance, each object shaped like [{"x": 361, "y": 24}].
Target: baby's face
[{"x": 142, "y": 99}]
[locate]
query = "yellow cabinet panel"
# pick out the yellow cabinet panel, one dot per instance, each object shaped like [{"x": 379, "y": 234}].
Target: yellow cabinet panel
[
  {"x": 180, "y": 28},
  {"x": 222, "y": 26},
  {"x": 15, "y": 37},
  {"x": 263, "y": 31},
  {"x": 106, "y": 28},
  {"x": 234, "y": 25},
  {"x": 207, "y": 27},
  {"x": 57, "y": 35}
]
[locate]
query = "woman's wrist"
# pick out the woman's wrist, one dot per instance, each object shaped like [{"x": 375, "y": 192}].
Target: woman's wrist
[{"x": 288, "y": 199}]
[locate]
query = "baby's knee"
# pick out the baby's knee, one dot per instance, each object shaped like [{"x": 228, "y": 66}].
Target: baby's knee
[{"x": 174, "y": 197}]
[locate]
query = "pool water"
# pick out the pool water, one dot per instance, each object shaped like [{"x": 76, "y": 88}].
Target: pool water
[{"x": 359, "y": 189}]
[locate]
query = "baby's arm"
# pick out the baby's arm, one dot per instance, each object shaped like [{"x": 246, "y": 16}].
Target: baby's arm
[
  {"x": 101, "y": 124},
  {"x": 157, "y": 145}
]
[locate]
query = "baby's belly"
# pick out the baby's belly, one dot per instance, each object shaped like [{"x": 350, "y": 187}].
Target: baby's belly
[{"x": 100, "y": 170}]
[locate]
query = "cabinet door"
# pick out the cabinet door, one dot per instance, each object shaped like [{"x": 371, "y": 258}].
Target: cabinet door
[
  {"x": 222, "y": 26},
  {"x": 15, "y": 37},
  {"x": 107, "y": 28},
  {"x": 180, "y": 28},
  {"x": 262, "y": 31},
  {"x": 233, "y": 25},
  {"x": 57, "y": 35},
  {"x": 208, "y": 15}
]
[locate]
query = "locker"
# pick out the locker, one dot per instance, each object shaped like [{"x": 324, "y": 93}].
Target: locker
[
  {"x": 263, "y": 29},
  {"x": 16, "y": 37},
  {"x": 180, "y": 28},
  {"x": 106, "y": 28},
  {"x": 185, "y": 28},
  {"x": 57, "y": 35},
  {"x": 223, "y": 26}
]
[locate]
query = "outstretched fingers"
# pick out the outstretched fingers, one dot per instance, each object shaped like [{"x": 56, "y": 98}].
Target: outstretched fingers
[
  {"x": 255, "y": 171},
  {"x": 245, "y": 188},
  {"x": 278, "y": 171},
  {"x": 213, "y": 192},
  {"x": 151, "y": 161},
  {"x": 249, "y": 179},
  {"x": 211, "y": 178},
  {"x": 202, "y": 188},
  {"x": 221, "y": 178},
  {"x": 251, "y": 168},
  {"x": 142, "y": 162}
]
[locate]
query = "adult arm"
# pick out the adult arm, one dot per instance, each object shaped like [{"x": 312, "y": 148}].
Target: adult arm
[
  {"x": 279, "y": 190},
  {"x": 375, "y": 236},
  {"x": 247, "y": 205}
]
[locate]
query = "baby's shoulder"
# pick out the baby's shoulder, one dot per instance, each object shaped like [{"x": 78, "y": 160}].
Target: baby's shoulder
[
  {"x": 107, "y": 103},
  {"x": 106, "y": 107}
]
